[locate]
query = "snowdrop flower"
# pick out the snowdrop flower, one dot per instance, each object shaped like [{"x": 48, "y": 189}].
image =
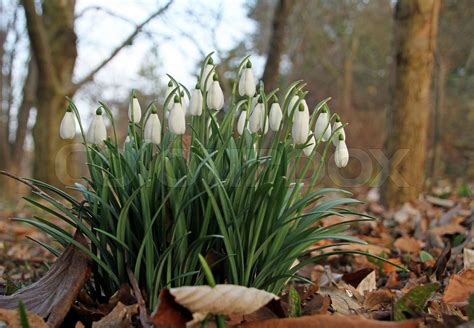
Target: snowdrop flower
[
  {"x": 195, "y": 105},
  {"x": 152, "y": 132},
  {"x": 322, "y": 127},
  {"x": 97, "y": 132},
  {"x": 67, "y": 129},
  {"x": 185, "y": 102},
  {"x": 293, "y": 105},
  {"x": 275, "y": 115},
  {"x": 257, "y": 117},
  {"x": 241, "y": 121},
  {"x": 134, "y": 111},
  {"x": 247, "y": 81},
  {"x": 341, "y": 156},
  {"x": 207, "y": 74},
  {"x": 215, "y": 96},
  {"x": 335, "y": 126},
  {"x": 176, "y": 119},
  {"x": 300, "y": 128},
  {"x": 308, "y": 150}
]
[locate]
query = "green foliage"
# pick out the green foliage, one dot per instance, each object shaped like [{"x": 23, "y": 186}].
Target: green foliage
[
  {"x": 238, "y": 200},
  {"x": 294, "y": 303},
  {"x": 413, "y": 302},
  {"x": 23, "y": 316}
]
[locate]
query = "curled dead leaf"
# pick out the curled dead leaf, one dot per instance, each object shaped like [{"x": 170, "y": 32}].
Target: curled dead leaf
[
  {"x": 222, "y": 299},
  {"x": 459, "y": 287}
]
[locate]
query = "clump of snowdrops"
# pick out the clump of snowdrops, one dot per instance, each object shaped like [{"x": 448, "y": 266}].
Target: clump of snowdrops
[{"x": 200, "y": 174}]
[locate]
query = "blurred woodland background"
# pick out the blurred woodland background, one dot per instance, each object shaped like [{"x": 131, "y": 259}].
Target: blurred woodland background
[{"x": 400, "y": 73}]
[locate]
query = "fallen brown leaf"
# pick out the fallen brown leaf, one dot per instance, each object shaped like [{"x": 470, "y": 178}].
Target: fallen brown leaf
[
  {"x": 387, "y": 267},
  {"x": 12, "y": 319},
  {"x": 448, "y": 229},
  {"x": 407, "y": 244},
  {"x": 329, "y": 321},
  {"x": 459, "y": 287},
  {"x": 120, "y": 317},
  {"x": 378, "y": 299},
  {"x": 52, "y": 295},
  {"x": 170, "y": 314}
]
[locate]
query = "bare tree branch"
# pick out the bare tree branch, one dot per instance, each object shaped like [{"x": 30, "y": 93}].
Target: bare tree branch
[
  {"x": 128, "y": 41},
  {"x": 39, "y": 43},
  {"x": 106, "y": 11}
]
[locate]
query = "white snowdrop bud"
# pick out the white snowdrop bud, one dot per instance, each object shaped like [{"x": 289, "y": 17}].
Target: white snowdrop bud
[
  {"x": 195, "y": 105},
  {"x": 67, "y": 129},
  {"x": 241, "y": 121},
  {"x": 97, "y": 132},
  {"x": 152, "y": 133},
  {"x": 335, "y": 126},
  {"x": 247, "y": 81},
  {"x": 341, "y": 156},
  {"x": 308, "y": 150},
  {"x": 322, "y": 128},
  {"x": 257, "y": 117},
  {"x": 177, "y": 119},
  {"x": 134, "y": 111},
  {"x": 215, "y": 96},
  {"x": 293, "y": 105},
  {"x": 207, "y": 74},
  {"x": 300, "y": 128},
  {"x": 275, "y": 115},
  {"x": 185, "y": 102}
]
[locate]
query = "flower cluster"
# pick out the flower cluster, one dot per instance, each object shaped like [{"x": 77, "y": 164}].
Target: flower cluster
[
  {"x": 227, "y": 178},
  {"x": 252, "y": 114}
]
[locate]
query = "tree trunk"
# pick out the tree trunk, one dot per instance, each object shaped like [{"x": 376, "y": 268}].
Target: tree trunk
[
  {"x": 415, "y": 35},
  {"x": 51, "y": 35},
  {"x": 277, "y": 43}
]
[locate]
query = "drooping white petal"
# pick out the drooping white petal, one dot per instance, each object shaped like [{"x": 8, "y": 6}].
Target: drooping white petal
[
  {"x": 335, "y": 137},
  {"x": 207, "y": 74},
  {"x": 341, "y": 156},
  {"x": 322, "y": 127},
  {"x": 300, "y": 127},
  {"x": 97, "y": 132},
  {"x": 215, "y": 96},
  {"x": 241, "y": 122},
  {"x": 177, "y": 119},
  {"x": 275, "y": 116},
  {"x": 185, "y": 103},
  {"x": 67, "y": 130},
  {"x": 195, "y": 105},
  {"x": 152, "y": 132},
  {"x": 134, "y": 111},
  {"x": 308, "y": 150},
  {"x": 256, "y": 118},
  {"x": 247, "y": 83}
]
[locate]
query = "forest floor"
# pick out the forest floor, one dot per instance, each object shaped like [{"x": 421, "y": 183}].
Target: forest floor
[{"x": 432, "y": 238}]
